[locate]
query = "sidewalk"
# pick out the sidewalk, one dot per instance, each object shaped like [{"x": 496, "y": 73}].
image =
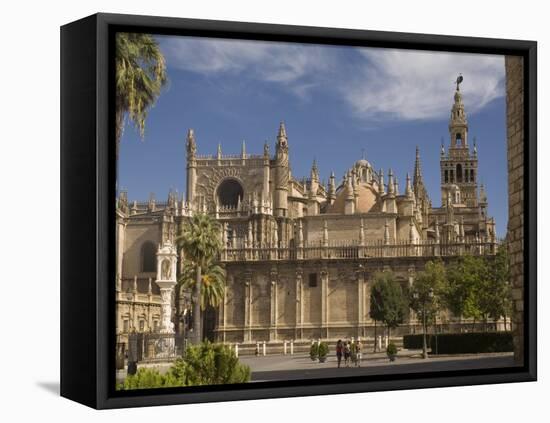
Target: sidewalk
[{"x": 271, "y": 363}]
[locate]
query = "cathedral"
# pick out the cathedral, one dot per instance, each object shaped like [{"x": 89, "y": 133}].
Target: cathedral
[{"x": 299, "y": 255}]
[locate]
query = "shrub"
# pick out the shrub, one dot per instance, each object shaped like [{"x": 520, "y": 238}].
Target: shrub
[
  {"x": 314, "y": 351},
  {"x": 391, "y": 350},
  {"x": 204, "y": 364},
  {"x": 323, "y": 350},
  {"x": 148, "y": 378},
  {"x": 463, "y": 343},
  {"x": 210, "y": 364}
]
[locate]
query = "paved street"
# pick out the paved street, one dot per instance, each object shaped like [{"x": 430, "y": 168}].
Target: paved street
[{"x": 281, "y": 367}]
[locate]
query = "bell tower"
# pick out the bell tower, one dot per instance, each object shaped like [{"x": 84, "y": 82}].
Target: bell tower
[{"x": 459, "y": 165}]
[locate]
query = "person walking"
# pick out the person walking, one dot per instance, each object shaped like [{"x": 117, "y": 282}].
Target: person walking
[
  {"x": 339, "y": 348},
  {"x": 358, "y": 347},
  {"x": 347, "y": 353}
]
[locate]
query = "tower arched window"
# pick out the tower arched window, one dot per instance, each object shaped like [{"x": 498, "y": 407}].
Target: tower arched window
[
  {"x": 148, "y": 257},
  {"x": 459, "y": 172}
]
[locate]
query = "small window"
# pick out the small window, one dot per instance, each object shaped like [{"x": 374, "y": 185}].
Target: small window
[
  {"x": 155, "y": 325},
  {"x": 312, "y": 280},
  {"x": 125, "y": 326},
  {"x": 141, "y": 325}
]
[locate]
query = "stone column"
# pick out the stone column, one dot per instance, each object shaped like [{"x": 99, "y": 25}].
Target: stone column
[
  {"x": 298, "y": 332},
  {"x": 166, "y": 280},
  {"x": 324, "y": 302},
  {"x": 247, "y": 306},
  {"x": 360, "y": 300},
  {"x": 273, "y": 305}
]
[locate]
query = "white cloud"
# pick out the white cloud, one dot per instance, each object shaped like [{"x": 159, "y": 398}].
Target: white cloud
[
  {"x": 377, "y": 84},
  {"x": 268, "y": 61},
  {"x": 419, "y": 85}
]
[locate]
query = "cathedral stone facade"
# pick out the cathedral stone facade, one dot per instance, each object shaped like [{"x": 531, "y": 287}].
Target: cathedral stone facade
[{"x": 300, "y": 255}]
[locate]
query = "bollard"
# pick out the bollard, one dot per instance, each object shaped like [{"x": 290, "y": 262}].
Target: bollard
[
  {"x": 264, "y": 348},
  {"x": 379, "y": 343},
  {"x": 284, "y": 347},
  {"x": 292, "y": 347},
  {"x": 387, "y": 341},
  {"x": 236, "y": 350}
]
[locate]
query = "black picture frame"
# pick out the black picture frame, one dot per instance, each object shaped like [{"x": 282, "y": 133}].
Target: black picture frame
[{"x": 88, "y": 204}]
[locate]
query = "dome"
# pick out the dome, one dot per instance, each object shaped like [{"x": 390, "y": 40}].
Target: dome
[
  {"x": 362, "y": 163},
  {"x": 366, "y": 200}
]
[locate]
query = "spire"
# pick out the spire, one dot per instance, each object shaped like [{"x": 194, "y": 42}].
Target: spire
[
  {"x": 191, "y": 143},
  {"x": 417, "y": 176},
  {"x": 349, "y": 186},
  {"x": 266, "y": 149},
  {"x": 482, "y": 194},
  {"x": 381, "y": 188},
  {"x": 408, "y": 187},
  {"x": 396, "y": 186},
  {"x": 282, "y": 130},
  {"x": 331, "y": 188},
  {"x": 391, "y": 186},
  {"x": 442, "y": 148},
  {"x": 314, "y": 171},
  {"x": 219, "y": 151},
  {"x": 243, "y": 150},
  {"x": 458, "y": 123},
  {"x": 475, "y": 147}
]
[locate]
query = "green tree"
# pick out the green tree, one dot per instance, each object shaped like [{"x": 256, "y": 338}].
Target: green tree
[
  {"x": 497, "y": 301},
  {"x": 426, "y": 294},
  {"x": 201, "y": 243},
  {"x": 387, "y": 302},
  {"x": 466, "y": 294},
  {"x": 140, "y": 76}
]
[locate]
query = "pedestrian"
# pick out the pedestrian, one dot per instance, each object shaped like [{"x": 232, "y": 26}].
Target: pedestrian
[
  {"x": 347, "y": 353},
  {"x": 339, "y": 348},
  {"x": 358, "y": 353}
]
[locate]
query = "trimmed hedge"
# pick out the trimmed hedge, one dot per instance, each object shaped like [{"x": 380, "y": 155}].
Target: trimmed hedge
[{"x": 462, "y": 343}]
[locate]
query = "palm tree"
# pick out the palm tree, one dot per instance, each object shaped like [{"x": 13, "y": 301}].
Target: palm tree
[
  {"x": 140, "y": 75},
  {"x": 213, "y": 282},
  {"x": 201, "y": 243}
]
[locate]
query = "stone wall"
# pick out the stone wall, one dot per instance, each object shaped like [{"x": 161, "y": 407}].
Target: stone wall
[{"x": 515, "y": 135}]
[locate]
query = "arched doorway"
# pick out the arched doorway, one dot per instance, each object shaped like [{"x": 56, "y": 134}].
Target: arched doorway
[{"x": 229, "y": 193}]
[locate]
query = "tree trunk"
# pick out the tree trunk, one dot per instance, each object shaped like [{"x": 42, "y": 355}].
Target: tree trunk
[
  {"x": 375, "y": 340},
  {"x": 197, "y": 326}
]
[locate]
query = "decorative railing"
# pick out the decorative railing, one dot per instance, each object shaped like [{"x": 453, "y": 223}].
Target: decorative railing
[{"x": 351, "y": 252}]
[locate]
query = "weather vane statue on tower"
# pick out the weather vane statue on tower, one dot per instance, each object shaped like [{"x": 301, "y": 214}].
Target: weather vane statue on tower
[{"x": 458, "y": 81}]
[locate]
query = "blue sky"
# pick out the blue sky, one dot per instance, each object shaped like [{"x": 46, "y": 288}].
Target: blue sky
[{"x": 336, "y": 102}]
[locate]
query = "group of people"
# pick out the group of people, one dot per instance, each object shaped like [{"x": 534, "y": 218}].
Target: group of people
[{"x": 350, "y": 351}]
